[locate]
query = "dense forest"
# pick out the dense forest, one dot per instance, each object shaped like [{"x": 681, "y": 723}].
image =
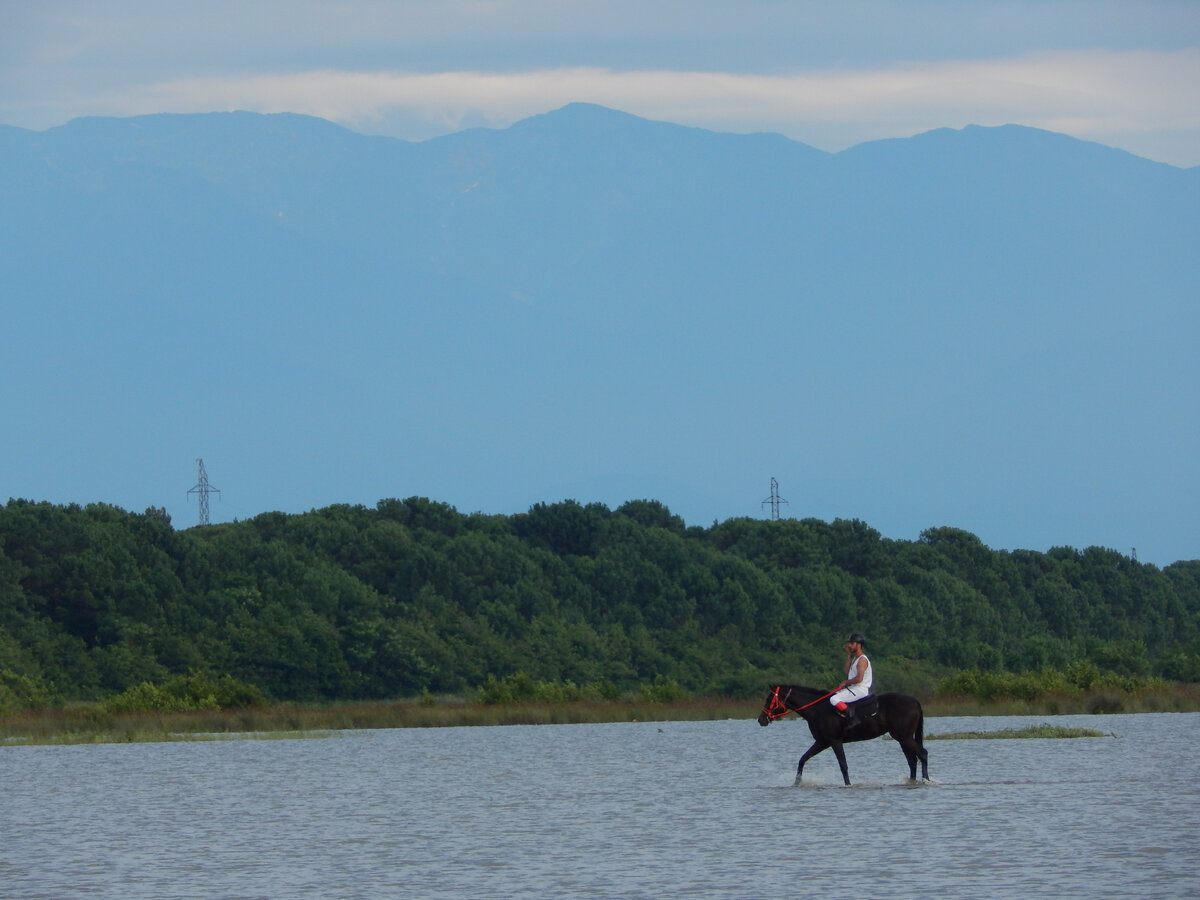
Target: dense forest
[{"x": 412, "y": 596}]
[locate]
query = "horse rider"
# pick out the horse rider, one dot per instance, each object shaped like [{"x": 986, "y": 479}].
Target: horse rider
[{"x": 858, "y": 679}]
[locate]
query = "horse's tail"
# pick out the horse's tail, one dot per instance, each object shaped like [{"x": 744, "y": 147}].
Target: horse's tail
[{"x": 920, "y": 735}]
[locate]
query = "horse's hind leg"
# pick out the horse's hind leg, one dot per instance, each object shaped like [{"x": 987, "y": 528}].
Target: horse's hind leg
[{"x": 913, "y": 752}]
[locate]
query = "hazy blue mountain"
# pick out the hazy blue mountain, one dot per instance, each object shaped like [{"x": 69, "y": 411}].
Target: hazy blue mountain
[{"x": 991, "y": 328}]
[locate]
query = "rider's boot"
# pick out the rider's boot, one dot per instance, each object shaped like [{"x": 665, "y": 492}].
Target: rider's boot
[{"x": 848, "y": 713}]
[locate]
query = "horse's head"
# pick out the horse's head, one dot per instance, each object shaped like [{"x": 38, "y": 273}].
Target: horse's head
[{"x": 774, "y": 706}]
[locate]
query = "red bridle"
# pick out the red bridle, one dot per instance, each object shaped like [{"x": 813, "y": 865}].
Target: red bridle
[{"x": 777, "y": 707}]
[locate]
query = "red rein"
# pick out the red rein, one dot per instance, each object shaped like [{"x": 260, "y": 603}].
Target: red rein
[{"x": 777, "y": 708}]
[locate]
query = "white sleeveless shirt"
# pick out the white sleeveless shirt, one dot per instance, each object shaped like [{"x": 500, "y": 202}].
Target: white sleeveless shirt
[{"x": 863, "y": 687}]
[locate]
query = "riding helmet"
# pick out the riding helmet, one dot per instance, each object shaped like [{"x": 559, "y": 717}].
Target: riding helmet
[{"x": 856, "y": 638}]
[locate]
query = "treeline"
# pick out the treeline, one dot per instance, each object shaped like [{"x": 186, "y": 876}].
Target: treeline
[{"x": 411, "y": 596}]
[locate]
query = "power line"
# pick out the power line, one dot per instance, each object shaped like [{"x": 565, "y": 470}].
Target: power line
[{"x": 202, "y": 490}]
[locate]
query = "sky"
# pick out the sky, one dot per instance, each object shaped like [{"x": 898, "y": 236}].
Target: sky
[{"x": 830, "y": 73}]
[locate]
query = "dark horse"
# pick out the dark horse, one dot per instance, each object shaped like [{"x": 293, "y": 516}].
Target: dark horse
[{"x": 896, "y": 714}]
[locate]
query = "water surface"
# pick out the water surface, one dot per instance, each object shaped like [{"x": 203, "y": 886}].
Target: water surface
[{"x": 696, "y": 809}]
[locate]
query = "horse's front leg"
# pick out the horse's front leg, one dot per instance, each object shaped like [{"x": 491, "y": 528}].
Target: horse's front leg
[
  {"x": 812, "y": 751},
  {"x": 841, "y": 758}
]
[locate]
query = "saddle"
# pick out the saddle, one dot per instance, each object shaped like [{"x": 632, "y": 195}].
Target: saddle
[{"x": 867, "y": 706}]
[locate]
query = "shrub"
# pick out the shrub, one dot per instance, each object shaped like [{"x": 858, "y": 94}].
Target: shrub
[
  {"x": 747, "y": 683},
  {"x": 1081, "y": 676},
  {"x": 186, "y": 692},
  {"x": 20, "y": 692},
  {"x": 663, "y": 690},
  {"x": 520, "y": 688},
  {"x": 1001, "y": 685},
  {"x": 1181, "y": 666}
]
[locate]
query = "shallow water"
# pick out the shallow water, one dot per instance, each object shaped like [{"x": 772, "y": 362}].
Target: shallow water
[{"x": 697, "y": 809}]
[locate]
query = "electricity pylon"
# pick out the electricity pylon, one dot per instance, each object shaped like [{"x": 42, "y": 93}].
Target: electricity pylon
[
  {"x": 774, "y": 500},
  {"x": 202, "y": 490}
]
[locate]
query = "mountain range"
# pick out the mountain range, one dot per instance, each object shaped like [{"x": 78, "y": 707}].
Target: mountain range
[{"x": 987, "y": 328}]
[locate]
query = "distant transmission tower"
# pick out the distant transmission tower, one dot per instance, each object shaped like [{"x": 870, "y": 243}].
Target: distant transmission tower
[
  {"x": 202, "y": 490},
  {"x": 774, "y": 500}
]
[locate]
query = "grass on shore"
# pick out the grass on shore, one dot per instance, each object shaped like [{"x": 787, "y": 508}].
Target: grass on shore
[
  {"x": 1033, "y": 731},
  {"x": 1097, "y": 701},
  {"x": 90, "y": 724}
]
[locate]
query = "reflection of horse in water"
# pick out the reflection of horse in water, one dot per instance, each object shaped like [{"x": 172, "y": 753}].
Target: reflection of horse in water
[{"x": 896, "y": 714}]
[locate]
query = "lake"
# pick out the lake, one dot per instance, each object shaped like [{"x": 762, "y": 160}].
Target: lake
[{"x": 670, "y": 809}]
